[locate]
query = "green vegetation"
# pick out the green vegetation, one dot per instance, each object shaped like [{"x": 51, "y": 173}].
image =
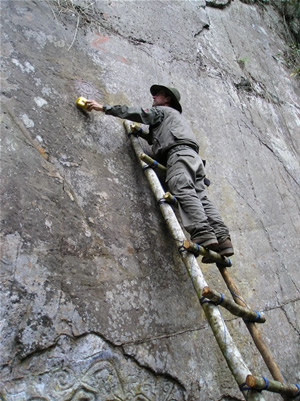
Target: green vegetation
[
  {"x": 290, "y": 11},
  {"x": 294, "y": 59},
  {"x": 242, "y": 60},
  {"x": 291, "y": 58}
]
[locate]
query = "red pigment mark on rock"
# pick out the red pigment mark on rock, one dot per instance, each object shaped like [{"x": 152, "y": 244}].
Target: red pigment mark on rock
[
  {"x": 99, "y": 40},
  {"x": 130, "y": 250},
  {"x": 123, "y": 59}
]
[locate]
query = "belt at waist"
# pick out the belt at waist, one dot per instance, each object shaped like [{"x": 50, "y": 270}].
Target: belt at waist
[{"x": 179, "y": 147}]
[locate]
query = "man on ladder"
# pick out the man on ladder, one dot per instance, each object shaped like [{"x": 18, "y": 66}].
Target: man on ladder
[{"x": 174, "y": 144}]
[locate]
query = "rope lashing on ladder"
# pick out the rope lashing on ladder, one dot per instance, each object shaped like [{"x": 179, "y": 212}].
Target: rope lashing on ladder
[
  {"x": 204, "y": 300},
  {"x": 244, "y": 387},
  {"x": 253, "y": 320},
  {"x": 181, "y": 249},
  {"x": 196, "y": 249},
  {"x": 241, "y": 299},
  {"x": 298, "y": 393},
  {"x": 154, "y": 165},
  {"x": 135, "y": 130},
  {"x": 267, "y": 383},
  {"x": 173, "y": 200},
  {"x": 161, "y": 201},
  {"x": 220, "y": 300},
  {"x": 167, "y": 198}
]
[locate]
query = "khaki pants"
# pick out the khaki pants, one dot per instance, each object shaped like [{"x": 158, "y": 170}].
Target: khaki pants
[{"x": 185, "y": 179}]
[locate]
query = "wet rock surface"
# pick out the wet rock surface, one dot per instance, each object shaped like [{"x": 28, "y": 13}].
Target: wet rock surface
[{"x": 93, "y": 287}]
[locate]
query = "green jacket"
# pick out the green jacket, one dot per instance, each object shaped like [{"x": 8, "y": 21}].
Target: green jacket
[{"x": 167, "y": 127}]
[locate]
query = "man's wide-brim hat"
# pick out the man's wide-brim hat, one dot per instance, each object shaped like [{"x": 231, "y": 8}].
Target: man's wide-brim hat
[{"x": 173, "y": 92}]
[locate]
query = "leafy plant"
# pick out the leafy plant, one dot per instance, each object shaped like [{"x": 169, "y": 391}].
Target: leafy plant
[{"x": 242, "y": 60}]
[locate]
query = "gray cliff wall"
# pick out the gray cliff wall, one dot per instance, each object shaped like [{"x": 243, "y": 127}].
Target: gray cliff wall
[{"x": 95, "y": 302}]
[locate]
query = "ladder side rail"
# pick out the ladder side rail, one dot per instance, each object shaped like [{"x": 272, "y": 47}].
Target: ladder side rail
[{"x": 228, "y": 348}]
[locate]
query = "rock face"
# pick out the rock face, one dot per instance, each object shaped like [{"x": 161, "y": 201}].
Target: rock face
[{"x": 95, "y": 301}]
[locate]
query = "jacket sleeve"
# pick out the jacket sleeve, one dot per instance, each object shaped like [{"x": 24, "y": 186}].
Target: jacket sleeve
[{"x": 152, "y": 116}]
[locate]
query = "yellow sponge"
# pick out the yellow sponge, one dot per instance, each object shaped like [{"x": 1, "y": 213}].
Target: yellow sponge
[{"x": 81, "y": 102}]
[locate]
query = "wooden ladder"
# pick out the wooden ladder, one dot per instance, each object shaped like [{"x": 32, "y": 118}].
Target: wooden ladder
[{"x": 250, "y": 385}]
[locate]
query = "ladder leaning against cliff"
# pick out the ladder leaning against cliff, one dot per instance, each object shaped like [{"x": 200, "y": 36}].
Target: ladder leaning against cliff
[{"x": 250, "y": 385}]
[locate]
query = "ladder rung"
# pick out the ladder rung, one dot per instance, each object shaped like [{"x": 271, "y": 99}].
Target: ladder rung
[
  {"x": 229, "y": 304},
  {"x": 170, "y": 198},
  {"x": 261, "y": 383},
  {"x": 200, "y": 250},
  {"x": 151, "y": 162}
]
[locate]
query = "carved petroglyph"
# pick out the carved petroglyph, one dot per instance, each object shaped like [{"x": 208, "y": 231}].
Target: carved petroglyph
[
  {"x": 87, "y": 369},
  {"x": 87, "y": 89}
]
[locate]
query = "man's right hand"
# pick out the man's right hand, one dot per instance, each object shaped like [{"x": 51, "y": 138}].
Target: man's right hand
[{"x": 93, "y": 105}]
